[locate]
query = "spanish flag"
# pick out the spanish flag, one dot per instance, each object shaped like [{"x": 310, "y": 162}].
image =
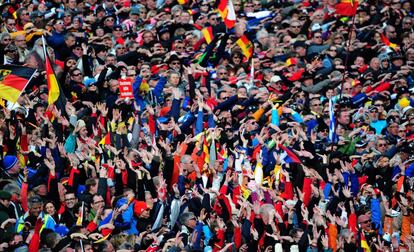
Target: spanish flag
[
  {"x": 346, "y": 7},
  {"x": 208, "y": 34},
  {"x": 226, "y": 11},
  {"x": 206, "y": 150},
  {"x": 387, "y": 42},
  {"x": 246, "y": 46},
  {"x": 13, "y": 80}
]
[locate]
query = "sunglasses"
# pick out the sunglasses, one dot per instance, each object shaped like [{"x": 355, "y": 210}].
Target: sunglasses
[{"x": 76, "y": 74}]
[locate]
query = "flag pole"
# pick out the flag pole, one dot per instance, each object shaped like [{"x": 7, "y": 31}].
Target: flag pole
[
  {"x": 350, "y": 29},
  {"x": 27, "y": 83}
]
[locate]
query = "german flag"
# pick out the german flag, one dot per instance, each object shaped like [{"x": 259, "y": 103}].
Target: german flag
[
  {"x": 208, "y": 34},
  {"x": 13, "y": 80},
  {"x": 55, "y": 95},
  {"x": 246, "y": 46},
  {"x": 346, "y": 7}
]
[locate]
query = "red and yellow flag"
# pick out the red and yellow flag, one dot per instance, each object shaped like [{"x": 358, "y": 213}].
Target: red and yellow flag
[
  {"x": 346, "y": 7},
  {"x": 182, "y": 2},
  {"x": 13, "y": 80},
  {"x": 208, "y": 34},
  {"x": 387, "y": 42},
  {"x": 52, "y": 83},
  {"x": 106, "y": 139},
  {"x": 226, "y": 11},
  {"x": 364, "y": 244},
  {"x": 246, "y": 46}
]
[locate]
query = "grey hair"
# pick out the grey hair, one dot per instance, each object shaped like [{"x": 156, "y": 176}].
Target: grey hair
[{"x": 185, "y": 217}]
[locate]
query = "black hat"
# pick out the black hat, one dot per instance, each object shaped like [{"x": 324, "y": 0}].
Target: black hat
[
  {"x": 173, "y": 57},
  {"x": 300, "y": 44},
  {"x": 5, "y": 195},
  {"x": 396, "y": 56},
  {"x": 163, "y": 29}
]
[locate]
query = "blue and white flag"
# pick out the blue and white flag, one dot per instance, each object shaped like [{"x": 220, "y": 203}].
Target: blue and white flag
[{"x": 332, "y": 134}]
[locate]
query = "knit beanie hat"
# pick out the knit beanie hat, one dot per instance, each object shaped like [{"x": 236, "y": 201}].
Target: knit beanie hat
[{"x": 9, "y": 161}]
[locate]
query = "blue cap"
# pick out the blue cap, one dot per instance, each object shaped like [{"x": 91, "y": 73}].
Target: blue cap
[
  {"x": 9, "y": 161},
  {"x": 88, "y": 81}
]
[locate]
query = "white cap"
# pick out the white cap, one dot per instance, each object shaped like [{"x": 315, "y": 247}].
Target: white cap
[{"x": 275, "y": 79}]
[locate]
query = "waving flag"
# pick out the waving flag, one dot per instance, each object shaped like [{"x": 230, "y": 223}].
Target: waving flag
[
  {"x": 387, "y": 42},
  {"x": 332, "y": 135},
  {"x": 290, "y": 154},
  {"x": 346, "y": 7},
  {"x": 79, "y": 221},
  {"x": 364, "y": 244},
  {"x": 226, "y": 11},
  {"x": 246, "y": 46},
  {"x": 208, "y": 34},
  {"x": 13, "y": 80}
]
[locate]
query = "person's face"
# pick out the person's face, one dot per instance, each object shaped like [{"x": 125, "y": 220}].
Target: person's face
[
  {"x": 295, "y": 27},
  {"x": 70, "y": 200},
  {"x": 316, "y": 106},
  {"x": 410, "y": 125},
  {"x": 77, "y": 51},
  {"x": 36, "y": 209},
  {"x": 50, "y": 209},
  {"x": 179, "y": 47},
  {"x": 242, "y": 92},
  {"x": 174, "y": 79},
  {"x": 222, "y": 74},
  {"x": 385, "y": 64},
  {"x": 347, "y": 88},
  {"x": 120, "y": 50},
  {"x": 11, "y": 25},
  {"x": 380, "y": 106},
  {"x": 382, "y": 146},
  {"x": 375, "y": 64},
  {"x": 391, "y": 32},
  {"x": 248, "y": 7},
  {"x": 76, "y": 76},
  {"x": 393, "y": 129},
  {"x": 25, "y": 16},
  {"x": 317, "y": 38},
  {"x": 6, "y": 40},
  {"x": 110, "y": 61},
  {"x": 397, "y": 62},
  {"x": 185, "y": 18},
  {"x": 109, "y": 22},
  {"x": 175, "y": 64},
  {"x": 113, "y": 86},
  {"x": 344, "y": 118},
  {"x": 147, "y": 37},
  {"x": 97, "y": 203},
  {"x": 5, "y": 202},
  {"x": 191, "y": 223},
  {"x": 20, "y": 42},
  {"x": 15, "y": 169},
  {"x": 213, "y": 20},
  {"x": 59, "y": 26},
  {"x": 257, "y": 5}
]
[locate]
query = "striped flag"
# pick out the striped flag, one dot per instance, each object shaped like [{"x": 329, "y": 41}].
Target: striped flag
[
  {"x": 226, "y": 11},
  {"x": 289, "y": 155},
  {"x": 52, "y": 84},
  {"x": 387, "y": 42},
  {"x": 208, "y": 34},
  {"x": 246, "y": 46},
  {"x": 13, "y": 80},
  {"x": 332, "y": 135}
]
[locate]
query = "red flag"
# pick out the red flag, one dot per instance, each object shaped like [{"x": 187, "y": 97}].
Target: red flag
[{"x": 346, "y": 7}]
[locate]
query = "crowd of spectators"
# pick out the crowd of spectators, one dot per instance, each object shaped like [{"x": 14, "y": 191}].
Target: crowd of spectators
[{"x": 305, "y": 146}]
